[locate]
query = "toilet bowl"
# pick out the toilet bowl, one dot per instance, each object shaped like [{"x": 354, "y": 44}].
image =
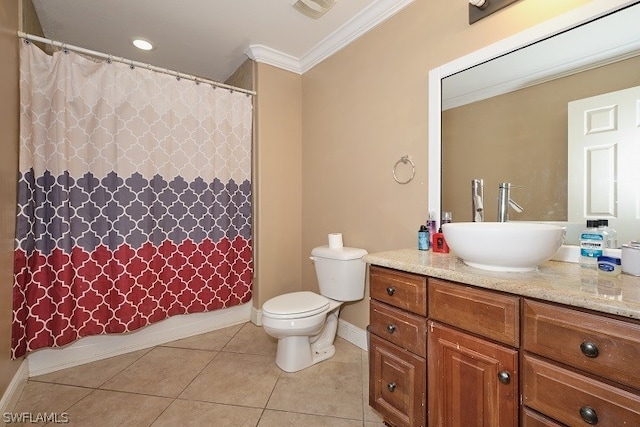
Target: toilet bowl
[{"x": 305, "y": 323}]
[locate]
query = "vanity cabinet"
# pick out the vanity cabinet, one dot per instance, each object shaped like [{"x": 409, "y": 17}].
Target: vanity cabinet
[
  {"x": 472, "y": 374},
  {"x": 445, "y": 354},
  {"x": 397, "y": 346},
  {"x": 580, "y": 368}
]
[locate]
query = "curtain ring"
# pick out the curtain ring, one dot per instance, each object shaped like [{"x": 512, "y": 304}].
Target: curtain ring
[{"x": 404, "y": 160}]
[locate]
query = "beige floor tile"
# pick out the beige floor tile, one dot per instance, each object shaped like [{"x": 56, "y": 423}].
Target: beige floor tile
[
  {"x": 252, "y": 339},
  {"x": 164, "y": 371},
  {"x": 327, "y": 388},
  {"x": 40, "y": 398},
  {"x": 229, "y": 377},
  {"x": 292, "y": 419},
  {"x": 106, "y": 408},
  {"x": 92, "y": 374},
  {"x": 214, "y": 341},
  {"x": 346, "y": 352},
  {"x": 235, "y": 378},
  {"x": 204, "y": 414}
]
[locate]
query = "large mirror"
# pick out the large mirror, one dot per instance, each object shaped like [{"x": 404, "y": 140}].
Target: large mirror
[{"x": 501, "y": 114}]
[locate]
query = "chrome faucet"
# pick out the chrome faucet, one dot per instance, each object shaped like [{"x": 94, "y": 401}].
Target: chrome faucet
[
  {"x": 477, "y": 200},
  {"x": 504, "y": 201}
]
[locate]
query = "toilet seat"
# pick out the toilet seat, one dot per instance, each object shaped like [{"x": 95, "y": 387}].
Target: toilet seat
[{"x": 295, "y": 305}]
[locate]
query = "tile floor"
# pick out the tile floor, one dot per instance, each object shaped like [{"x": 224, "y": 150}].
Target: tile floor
[{"x": 222, "y": 378}]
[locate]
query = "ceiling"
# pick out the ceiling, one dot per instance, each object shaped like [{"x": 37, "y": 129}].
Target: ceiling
[{"x": 211, "y": 38}]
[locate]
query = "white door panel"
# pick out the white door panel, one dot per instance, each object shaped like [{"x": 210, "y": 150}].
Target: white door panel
[{"x": 604, "y": 145}]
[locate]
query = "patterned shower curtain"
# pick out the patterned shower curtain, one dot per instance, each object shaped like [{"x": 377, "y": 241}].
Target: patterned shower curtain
[{"x": 134, "y": 199}]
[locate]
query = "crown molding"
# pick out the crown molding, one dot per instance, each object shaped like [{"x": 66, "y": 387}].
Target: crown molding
[
  {"x": 371, "y": 16},
  {"x": 374, "y": 14},
  {"x": 266, "y": 55}
]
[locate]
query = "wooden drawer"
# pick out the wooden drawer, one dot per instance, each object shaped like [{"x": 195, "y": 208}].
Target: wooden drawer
[
  {"x": 533, "y": 419},
  {"x": 397, "y": 384},
  {"x": 406, "y": 330},
  {"x": 404, "y": 290},
  {"x": 487, "y": 313},
  {"x": 567, "y": 336},
  {"x": 563, "y": 395}
]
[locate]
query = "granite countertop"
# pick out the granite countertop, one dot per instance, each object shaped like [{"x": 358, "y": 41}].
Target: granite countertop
[{"x": 561, "y": 282}]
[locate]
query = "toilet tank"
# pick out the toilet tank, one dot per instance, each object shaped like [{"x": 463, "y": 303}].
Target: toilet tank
[{"x": 340, "y": 271}]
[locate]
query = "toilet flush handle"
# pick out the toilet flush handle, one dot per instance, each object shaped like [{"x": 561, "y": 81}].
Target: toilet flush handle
[{"x": 312, "y": 258}]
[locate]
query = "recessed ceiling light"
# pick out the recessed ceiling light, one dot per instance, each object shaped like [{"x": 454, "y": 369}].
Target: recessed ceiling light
[{"x": 142, "y": 44}]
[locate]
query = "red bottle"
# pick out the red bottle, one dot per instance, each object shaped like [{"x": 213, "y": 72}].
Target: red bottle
[{"x": 439, "y": 243}]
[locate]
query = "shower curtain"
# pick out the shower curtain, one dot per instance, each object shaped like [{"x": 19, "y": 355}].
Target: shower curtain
[{"x": 134, "y": 199}]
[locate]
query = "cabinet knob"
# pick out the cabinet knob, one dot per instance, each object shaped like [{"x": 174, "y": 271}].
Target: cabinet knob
[
  {"x": 391, "y": 328},
  {"x": 391, "y": 387},
  {"x": 504, "y": 377},
  {"x": 589, "y": 349},
  {"x": 589, "y": 415},
  {"x": 391, "y": 290}
]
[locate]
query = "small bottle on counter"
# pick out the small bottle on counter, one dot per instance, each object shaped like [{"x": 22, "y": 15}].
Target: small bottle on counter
[
  {"x": 611, "y": 238},
  {"x": 439, "y": 243},
  {"x": 609, "y": 266},
  {"x": 432, "y": 226},
  {"x": 592, "y": 244},
  {"x": 423, "y": 238}
]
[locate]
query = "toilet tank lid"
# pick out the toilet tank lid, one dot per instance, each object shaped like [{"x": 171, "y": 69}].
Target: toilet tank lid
[{"x": 343, "y": 254}]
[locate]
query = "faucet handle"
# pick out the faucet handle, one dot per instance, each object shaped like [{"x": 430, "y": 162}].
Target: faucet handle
[{"x": 516, "y": 207}]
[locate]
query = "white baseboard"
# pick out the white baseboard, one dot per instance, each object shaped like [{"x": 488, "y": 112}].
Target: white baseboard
[
  {"x": 353, "y": 334},
  {"x": 14, "y": 389},
  {"x": 256, "y": 316},
  {"x": 90, "y": 349}
]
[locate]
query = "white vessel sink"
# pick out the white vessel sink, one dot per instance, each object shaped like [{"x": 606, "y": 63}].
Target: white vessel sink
[{"x": 503, "y": 246}]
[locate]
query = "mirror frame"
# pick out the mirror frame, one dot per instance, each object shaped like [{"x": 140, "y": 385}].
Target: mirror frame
[{"x": 550, "y": 28}]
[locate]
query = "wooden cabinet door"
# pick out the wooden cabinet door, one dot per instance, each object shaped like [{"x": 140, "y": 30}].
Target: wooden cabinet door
[
  {"x": 472, "y": 381},
  {"x": 397, "y": 384}
]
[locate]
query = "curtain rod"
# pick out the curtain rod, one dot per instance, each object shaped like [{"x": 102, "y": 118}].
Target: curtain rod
[{"x": 133, "y": 63}]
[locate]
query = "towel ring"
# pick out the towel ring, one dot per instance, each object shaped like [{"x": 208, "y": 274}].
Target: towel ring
[{"x": 404, "y": 160}]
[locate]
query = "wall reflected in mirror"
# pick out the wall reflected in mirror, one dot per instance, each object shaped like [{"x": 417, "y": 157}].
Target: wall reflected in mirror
[{"x": 521, "y": 138}]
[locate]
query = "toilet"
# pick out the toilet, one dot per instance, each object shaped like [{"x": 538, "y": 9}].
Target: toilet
[{"x": 306, "y": 323}]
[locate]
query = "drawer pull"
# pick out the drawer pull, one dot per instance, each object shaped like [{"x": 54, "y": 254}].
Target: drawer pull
[
  {"x": 391, "y": 290},
  {"x": 589, "y": 415},
  {"x": 391, "y": 387},
  {"x": 589, "y": 349},
  {"x": 504, "y": 377},
  {"x": 391, "y": 328}
]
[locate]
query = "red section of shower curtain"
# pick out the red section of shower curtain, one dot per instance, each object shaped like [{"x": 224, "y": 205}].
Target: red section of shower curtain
[{"x": 68, "y": 296}]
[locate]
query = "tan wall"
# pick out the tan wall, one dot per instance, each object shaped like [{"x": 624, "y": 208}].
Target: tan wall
[
  {"x": 278, "y": 186},
  {"x": 366, "y": 106},
  {"x": 242, "y": 77},
  {"x": 9, "y": 104},
  {"x": 520, "y": 137}
]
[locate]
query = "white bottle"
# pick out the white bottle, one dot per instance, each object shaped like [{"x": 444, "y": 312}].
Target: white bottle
[
  {"x": 611, "y": 237},
  {"x": 592, "y": 244}
]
